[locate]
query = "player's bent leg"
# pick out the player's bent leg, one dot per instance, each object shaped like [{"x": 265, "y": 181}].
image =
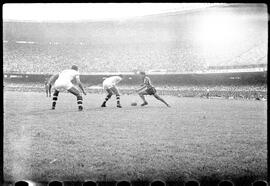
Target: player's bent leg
[
  {"x": 49, "y": 91},
  {"x": 73, "y": 90},
  {"x": 141, "y": 94},
  {"x": 46, "y": 90},
  {"x": 77, "y": 93},
  {"x": 55, "y": 97},
  {"x": 109, "y": 95},
  {"x": 79, "y": 102},
  {"x": 160, "y": 99},
  {"x": 118, "y": 101},
  {"x": 117, "y": 94}
]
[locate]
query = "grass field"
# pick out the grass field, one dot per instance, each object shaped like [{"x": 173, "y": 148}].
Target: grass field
[{"x": 194, "y": 139}]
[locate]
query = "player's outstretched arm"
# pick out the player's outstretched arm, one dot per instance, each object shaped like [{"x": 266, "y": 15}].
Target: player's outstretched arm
[{"x": 140, "y": 89}]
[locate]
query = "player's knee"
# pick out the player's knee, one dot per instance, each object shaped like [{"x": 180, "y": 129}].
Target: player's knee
[
  {"x": 55, "y": 93},
  {"x": 109, "y": 95},
  {"x": 79, "y": 97},
  {"x": 54, "y": 98}
]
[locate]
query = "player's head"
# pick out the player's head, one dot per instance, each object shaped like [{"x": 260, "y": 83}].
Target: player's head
[{"x": 74, "y": 67}]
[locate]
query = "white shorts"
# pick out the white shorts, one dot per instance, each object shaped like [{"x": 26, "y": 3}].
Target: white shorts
[
  {"x": 58, "y": 85},
  {"x": 107, "y": 86}
]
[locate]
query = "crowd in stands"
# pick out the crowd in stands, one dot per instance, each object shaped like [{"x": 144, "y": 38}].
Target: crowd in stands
[
  {"x": 229, "y": 92},
  {"x": 253, "y": 92},
  {"x": 253, "y": 50},
  {"x": 255, "y": 53},
  {"x": 173, "y": 42},
  {"x": 103, "y": 58},
  {"x": 52, "y": 58}
]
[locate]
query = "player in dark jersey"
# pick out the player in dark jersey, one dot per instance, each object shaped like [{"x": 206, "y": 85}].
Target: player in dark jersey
[{"x": 148, "y": 89}]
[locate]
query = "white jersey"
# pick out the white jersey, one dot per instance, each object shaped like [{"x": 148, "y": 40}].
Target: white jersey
[
  {"x": 111, "y": 81},
  {"x": 68, "y": 75},
  {"x": 65, "y": 79}
]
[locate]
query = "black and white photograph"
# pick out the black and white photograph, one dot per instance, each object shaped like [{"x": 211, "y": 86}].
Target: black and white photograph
[{"x": 135, "y": 92}]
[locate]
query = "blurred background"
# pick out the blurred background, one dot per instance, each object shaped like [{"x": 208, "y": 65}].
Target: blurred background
[
  {"x": 166, "y": 38},
  {"x": 191, "y": 40}
]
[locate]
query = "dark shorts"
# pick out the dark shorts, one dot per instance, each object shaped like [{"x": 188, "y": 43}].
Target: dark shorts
[{"x": 151, "y": 91}]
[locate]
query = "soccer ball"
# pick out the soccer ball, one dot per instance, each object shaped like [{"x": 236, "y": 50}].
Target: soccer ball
[{"x": 133, "y": 104}]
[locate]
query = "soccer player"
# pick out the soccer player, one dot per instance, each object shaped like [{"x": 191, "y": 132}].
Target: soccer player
[
  {"x": 47, "y": 85},
  {"x": 109, "y": 84},
  {"x": 148, "y": 89},
  {"x": 63, "y": 80},
  {"x": 48, "y": 91},
  {"x": 207, "y": 93}
]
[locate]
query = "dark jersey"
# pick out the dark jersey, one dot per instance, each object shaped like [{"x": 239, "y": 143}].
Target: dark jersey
[
  {"x": 149, "y": 87},
  {"x": 147, "y": 82}
]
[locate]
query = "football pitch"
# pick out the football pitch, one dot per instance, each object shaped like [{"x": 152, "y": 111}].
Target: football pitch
[{"x": 194, "y": 139}]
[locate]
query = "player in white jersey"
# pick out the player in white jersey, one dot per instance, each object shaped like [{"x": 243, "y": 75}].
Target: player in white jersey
[
  {"x": 109, "y": 84},
  {"x": 63, "y": 80}
]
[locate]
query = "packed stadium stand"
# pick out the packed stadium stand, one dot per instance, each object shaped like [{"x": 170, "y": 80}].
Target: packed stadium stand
[
  {"x": 164, "y": 41},
  {"x": 168, "y": 43},
  {"x": 107, "y": 58}
]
